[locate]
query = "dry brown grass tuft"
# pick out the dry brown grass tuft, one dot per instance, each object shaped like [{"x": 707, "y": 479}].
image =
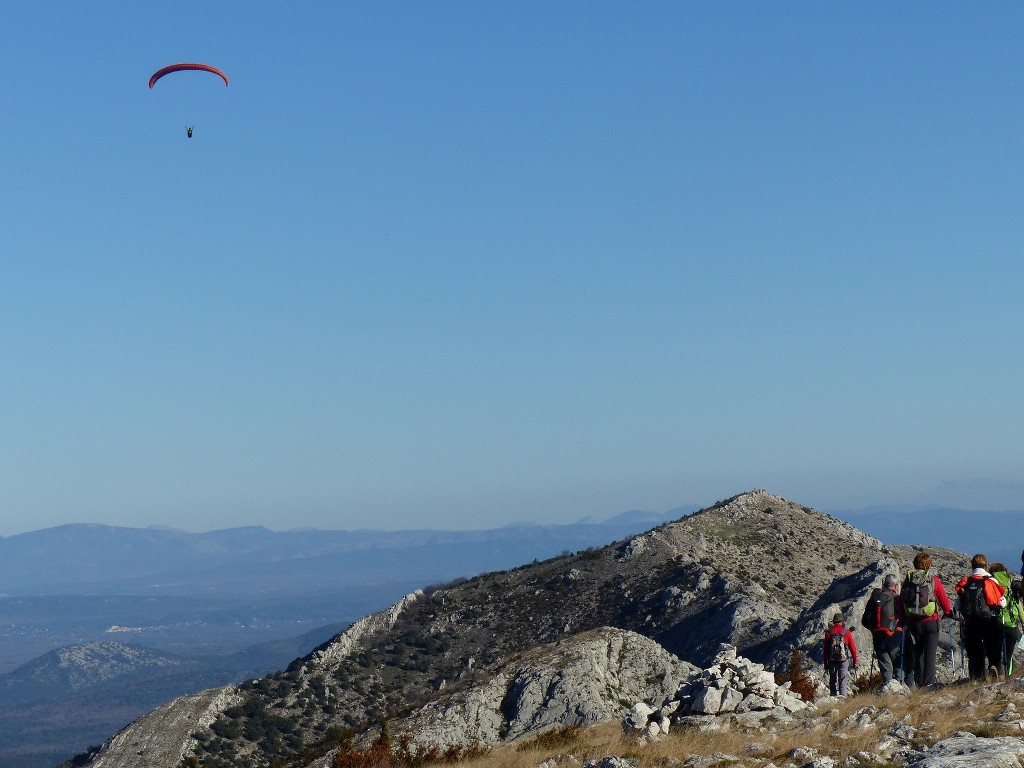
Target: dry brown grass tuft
[{"x": 582, "y": 743}]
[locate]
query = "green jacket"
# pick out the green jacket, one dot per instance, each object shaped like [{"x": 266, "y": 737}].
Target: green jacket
[{"x": 1011, "y": 614}]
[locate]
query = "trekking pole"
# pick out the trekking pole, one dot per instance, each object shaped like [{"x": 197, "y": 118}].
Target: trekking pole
[
  {"x": 963, "y": 662},
  {"x": 952, "y": 664},
  {"x": 1005, "y": 664}
]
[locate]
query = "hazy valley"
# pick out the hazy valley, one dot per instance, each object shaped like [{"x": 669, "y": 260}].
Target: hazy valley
[{"x": 203, "y": 610}]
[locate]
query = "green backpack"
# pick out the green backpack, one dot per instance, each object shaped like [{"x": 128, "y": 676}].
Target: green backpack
[
  {"x": 918, "y": 594},
  {"x": 1010, "y": 616}
]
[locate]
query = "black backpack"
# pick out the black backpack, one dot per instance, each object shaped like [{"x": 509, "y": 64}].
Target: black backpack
[
  {"x": 837, "y": 649},
  {"x": 972, "y": 600},
  {"x": 880, "y": 612}
]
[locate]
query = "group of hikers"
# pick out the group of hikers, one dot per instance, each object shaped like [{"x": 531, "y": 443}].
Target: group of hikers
[{"x": 904, "y": 618}]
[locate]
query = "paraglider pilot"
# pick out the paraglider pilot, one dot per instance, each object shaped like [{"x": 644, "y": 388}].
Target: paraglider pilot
[{"x": 188, "y": 130}]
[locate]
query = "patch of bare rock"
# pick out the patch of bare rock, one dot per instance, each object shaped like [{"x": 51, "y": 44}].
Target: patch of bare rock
[
  {"x": 165, "y": 736},
  {"x": 580, "y": 681},
  {"x": 736, "y": 693},
  {"x": 732, "y": 691}
]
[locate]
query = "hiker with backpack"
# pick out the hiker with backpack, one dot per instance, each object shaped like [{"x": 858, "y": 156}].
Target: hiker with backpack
[
  {"x": 924, "y": 603},
  {"x": 1009, "y": 617},
  {"x": 884, "y": 618},
  {"x": 840, "y": 650},
  {"x": 981, "y": 600}
]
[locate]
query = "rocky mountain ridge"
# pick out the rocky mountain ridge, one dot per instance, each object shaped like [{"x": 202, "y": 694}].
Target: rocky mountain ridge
[
  {"x": 77, "y": 667},
  {"x": 240, "y": 561},
  {"x": 756, "y": 571}
]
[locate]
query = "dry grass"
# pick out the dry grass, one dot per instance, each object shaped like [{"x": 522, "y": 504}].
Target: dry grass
[{"x": 832, "y": 731}]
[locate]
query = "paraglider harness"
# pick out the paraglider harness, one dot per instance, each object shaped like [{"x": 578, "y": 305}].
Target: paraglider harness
[{"x": 188, "y": 130}]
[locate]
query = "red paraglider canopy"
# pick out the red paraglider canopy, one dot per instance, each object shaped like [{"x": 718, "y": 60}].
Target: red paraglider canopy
[{"x": 179, "y": 67}]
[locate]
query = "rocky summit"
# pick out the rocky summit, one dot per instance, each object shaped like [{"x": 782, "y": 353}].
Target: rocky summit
[{"x": 573, "y": 640}]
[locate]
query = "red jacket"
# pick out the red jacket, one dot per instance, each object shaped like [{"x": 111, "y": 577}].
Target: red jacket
[
  {"x": 851, "y": 646},
  {"x": 995, "y": 593}
]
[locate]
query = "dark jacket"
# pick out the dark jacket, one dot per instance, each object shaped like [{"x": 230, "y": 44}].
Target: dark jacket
[
  {"x": 886, "y": 642},
  {"x": 995, "y": 593}
]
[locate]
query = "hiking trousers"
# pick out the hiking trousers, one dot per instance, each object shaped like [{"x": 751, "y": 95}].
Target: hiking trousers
[
  {"x": 888, "y": 654},
  {"x": 923, "y": 641},
  {"x": 1010, "y": 637},
  {"x": 839, "y": 678},
  {"x": 983, "y": 644}
]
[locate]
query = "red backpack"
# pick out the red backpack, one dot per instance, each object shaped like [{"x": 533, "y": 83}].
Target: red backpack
[
  {"x": 838, "y": 651},
  {"x": 880, "y": 613}
]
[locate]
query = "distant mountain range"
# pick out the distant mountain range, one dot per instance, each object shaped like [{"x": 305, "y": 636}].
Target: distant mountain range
[
  {"x": 87, "y": 559},
  {"x": 999, "y": 535},
  {"x": 101, "y": 559},
  {"x": 220, "y": 591}
]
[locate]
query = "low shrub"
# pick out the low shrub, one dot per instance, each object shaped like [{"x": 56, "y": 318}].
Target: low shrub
[
  {"x": 384, "y": 753},
  {"x": 796, "y": 675}
]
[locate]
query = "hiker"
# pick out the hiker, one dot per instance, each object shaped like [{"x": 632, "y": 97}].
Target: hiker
[
  {"x": 1009, "y": 617},
  {"x": 924, "y": 603},
  {"x": 840, "y": 650},
  {"x": 885, "y": 619},
  {"x": 981, "y": 600}
]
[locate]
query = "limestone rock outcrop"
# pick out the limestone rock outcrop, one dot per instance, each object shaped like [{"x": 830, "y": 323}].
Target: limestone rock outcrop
[
  {"x": 965, "y": 750},
  {"x": 586, "y": 679},
  {"x": 165, "y": 736},
  {"x": 732, "y": 686}
]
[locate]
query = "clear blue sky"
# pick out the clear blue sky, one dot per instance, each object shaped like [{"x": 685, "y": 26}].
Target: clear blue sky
[{"x": 456, "y": 264}]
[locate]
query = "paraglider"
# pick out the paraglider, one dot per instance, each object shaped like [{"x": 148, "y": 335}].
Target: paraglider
[{"x": 186, "y": 66}]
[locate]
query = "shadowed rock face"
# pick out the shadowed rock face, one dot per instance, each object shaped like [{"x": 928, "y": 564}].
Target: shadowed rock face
[{"x": 756, "y": 571}]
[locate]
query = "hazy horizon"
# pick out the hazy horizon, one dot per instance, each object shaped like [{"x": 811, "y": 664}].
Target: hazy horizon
[{"x": 681, "y": 509}]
